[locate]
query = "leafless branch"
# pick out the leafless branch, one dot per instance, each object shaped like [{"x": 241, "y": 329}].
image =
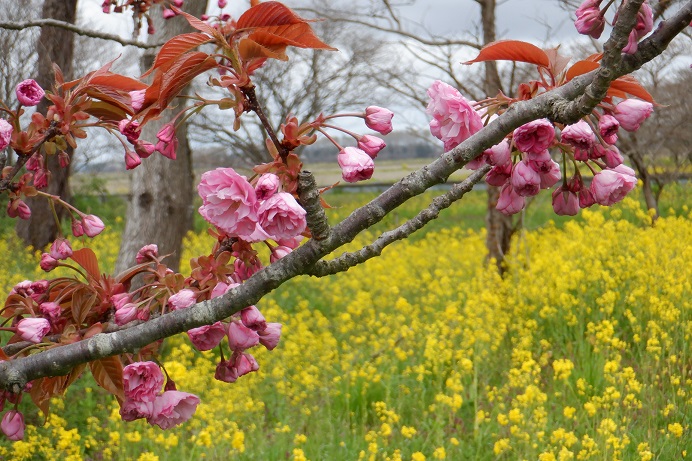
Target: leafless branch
[
  {"x": 348, "y": 260},
  {"x": 77, "y": 30}
]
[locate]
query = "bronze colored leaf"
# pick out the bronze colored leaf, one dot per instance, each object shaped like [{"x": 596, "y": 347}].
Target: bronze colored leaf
[
  {"x": 512, "y": 50},
  {"x": 108, "y": 374},
  {"x": 629, "y": 85},
  {"x": 177, "y": 46},
  {"x": 86, "y": 258}
]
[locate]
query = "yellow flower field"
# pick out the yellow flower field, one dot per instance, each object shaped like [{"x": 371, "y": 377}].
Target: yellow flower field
[{"x": 582, "y": 352}]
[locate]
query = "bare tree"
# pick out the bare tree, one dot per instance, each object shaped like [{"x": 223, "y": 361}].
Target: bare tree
[
  {"x": 438, "y": 56},
  {"x": 319, "y": 82},
  {"x": 661, "y": 149},
  {"x": 160, "y": 204}
]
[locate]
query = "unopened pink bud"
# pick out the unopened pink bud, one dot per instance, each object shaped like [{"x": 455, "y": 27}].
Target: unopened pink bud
[
  {"x": 132, "y": 160},
  {"x": 266, "y": 186},
  {"x": 608, "y": 127},
  {"x": 77, "y": 228},
  {"x": 137, "y": 98},
  {"x": 509, "y": 201},
  {"x": 5, "y": 133},
  {"x": 33, "y": 329},
  {"x": 253, "y": 318},
  {"x": 61, "y": 249},
  {"x": 182, "y": 299},
  {"x": 63, "y": 159},
  {"x": 147, "y": 253},
  {"x": 48, "y": 263},
  {"x": 565, "y": 202},
  {"x": 379, "y": 119},
  {"x": 92, "y": 225},
  {"x": 29, "y": 93},
  {"x": 241, "y": 337},
  {"x": 168, "y": 13},
  {"x": 632, "y": 112},
  {"x": 590, "y": 21},
  {"x": 355, "y": 164},
  {"x": 371, "y": 145},
  {"x": 12, "y": 425},
  {"x": 269, "y": 337}
]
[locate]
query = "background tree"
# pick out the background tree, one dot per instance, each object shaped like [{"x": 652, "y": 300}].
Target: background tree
[
  {"x": 54, "y": 45},
  {"x": 160, "y": 205},
  {"x": 319, "y": 82}
]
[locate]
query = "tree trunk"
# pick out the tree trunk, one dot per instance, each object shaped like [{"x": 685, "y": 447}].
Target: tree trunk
[
  {"x": 54, "y": 46},
  {"x": 499, "y": 226},
  {"x": 160, "y": 204}
]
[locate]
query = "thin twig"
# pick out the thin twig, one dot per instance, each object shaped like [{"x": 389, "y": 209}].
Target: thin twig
[
  {"x": 348, "y": 260},
  {"x": 77, "y": 30}
]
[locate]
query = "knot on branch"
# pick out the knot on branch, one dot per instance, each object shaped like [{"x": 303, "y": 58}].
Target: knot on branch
[{"x": 310, "y": 200}]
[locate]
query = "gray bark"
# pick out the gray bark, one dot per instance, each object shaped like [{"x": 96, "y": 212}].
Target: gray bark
[
  {"x": 160, "y": 206},
  {"x": 499, "y": 227},
  {"x": 54, "y": 46}
]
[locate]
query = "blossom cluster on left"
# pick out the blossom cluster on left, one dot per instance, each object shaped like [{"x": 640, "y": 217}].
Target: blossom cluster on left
[{"x": 262, "y": 210}]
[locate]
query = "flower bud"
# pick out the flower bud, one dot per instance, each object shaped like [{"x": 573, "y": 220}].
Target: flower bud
[
  {"x": 29, "y": 93},
  {"x": 12, "y": 425},
  {"x": 379, "y": 119},
  {"x": 92, "y": 225},
  {"x": 565, "y": 202},
  {"x": 371, "y": 145},
  {"x": 48, "y": 263},
  {"x": 33, "y": 329},
  {"x": 355, "y": 164},
  {"x": 632, "y": 112},
  {"x": 509, "y": 201},
  {"x": 61, "y": 249},
  {"x": 5, "y": 133}
]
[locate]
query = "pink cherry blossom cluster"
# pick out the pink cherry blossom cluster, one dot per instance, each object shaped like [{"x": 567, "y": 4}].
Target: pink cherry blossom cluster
[
  {"x": 357, "y": 163},
  {"x": 130, "y": 129},
  {"x": 591, "y": 21},
  {"x": 142, "y": 382},
  {"x": 522, "y": 163},
  {"x": 251, "y": 213}
]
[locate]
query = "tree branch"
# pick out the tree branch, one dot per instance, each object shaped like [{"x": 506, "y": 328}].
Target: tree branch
[
  {"x": 77, "y": 30},
  {"x": 14, "y": 374},
  {"x": 310, "y": 200},
  {"x": 348, "y": 260}
]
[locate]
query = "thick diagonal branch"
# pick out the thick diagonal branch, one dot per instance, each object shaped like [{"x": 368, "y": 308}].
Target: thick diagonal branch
[
  {"x": 14, "y": 374},
  {"x": 348, "y": 260}
]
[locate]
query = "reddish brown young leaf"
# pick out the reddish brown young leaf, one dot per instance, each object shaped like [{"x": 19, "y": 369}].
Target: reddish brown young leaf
[
  {"x": 250, "y": 49},
  {"x": 86, "y": 258},
  {"x": 106, "y": 111},
  {"x": 118, "y": 82},
  {"x": 83, "y": 300},
  {"x": 197, "y": 23},
  {"x": 168, "y": 84},
  {"x": 273, "y": 24},
  {"x": 92, "y": 330},
  {"x": 629, "y": 85},
  {"x": 299, "y": 35},
  {"x": 512, "y": 50},
  {"x": 108, "y": 373},
  {"x": 580, "y": 68},
  {"x": 40, "y": 396},
  {"x": 177, "y": 46}
]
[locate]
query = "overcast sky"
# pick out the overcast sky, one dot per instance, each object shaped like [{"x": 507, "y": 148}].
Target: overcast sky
[{"x": 520, "y": 19}]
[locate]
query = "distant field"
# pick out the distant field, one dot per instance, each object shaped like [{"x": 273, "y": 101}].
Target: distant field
[{"x": 386, "y": 172}]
